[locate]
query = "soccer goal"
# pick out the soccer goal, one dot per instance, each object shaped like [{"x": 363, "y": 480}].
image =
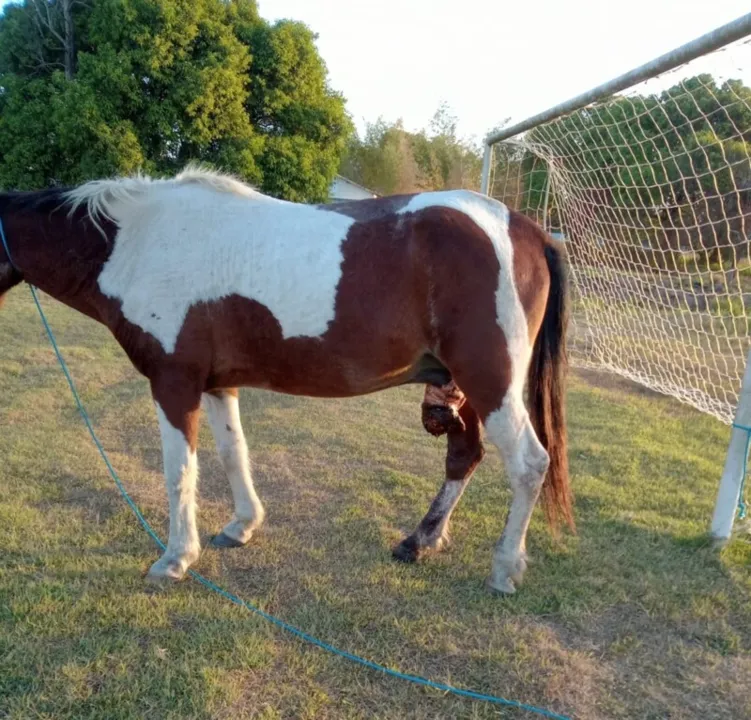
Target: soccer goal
[{"x": 647, "y": 179}]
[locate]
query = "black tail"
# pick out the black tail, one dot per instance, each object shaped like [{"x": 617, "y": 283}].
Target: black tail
[{"x": 547, "y": 391}]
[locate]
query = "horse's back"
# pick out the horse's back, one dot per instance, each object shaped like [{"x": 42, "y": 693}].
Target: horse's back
[
  {"x": 328, "y": 300},
  {"x": 190, "y": 245}
]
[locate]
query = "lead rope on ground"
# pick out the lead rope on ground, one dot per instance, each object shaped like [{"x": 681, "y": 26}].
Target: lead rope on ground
[
  {"x": 416, "y": 679},
  {"x": 741, "y": 492}
]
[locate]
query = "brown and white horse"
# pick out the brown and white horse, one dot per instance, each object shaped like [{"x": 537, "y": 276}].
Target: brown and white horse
[{"x": 209, "y": 285}]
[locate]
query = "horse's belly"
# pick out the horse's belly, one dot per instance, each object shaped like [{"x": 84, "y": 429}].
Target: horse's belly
[{"x": 351, "y": 358}]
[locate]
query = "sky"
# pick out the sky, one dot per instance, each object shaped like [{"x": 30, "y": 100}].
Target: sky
[{"x": 489, "y": 59}]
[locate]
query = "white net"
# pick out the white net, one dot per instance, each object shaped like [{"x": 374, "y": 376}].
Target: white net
[{"x": 651, "y": 191}]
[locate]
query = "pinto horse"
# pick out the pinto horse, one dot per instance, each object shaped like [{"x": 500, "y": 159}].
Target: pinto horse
[{"x": 209, "y": 285}]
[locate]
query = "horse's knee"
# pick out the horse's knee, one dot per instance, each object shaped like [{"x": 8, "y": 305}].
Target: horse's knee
[{"x": 537, "y": 463}]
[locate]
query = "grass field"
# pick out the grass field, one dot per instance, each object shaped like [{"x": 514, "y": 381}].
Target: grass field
[{"x": 635, "y": 617}]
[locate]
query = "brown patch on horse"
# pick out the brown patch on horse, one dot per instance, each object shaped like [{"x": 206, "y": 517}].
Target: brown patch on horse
[
  {"x": 463, "y": 315},
  {"x": 530, "y": 268}
]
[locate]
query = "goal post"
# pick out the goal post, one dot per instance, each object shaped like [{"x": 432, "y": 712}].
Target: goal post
[
  {"x": 647, "y": 179},
  {"x": 733, "y": 474}
]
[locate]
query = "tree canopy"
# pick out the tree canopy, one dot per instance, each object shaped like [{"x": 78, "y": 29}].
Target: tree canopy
[
  {"x": 90, "y": 88},
  {"x": 664, "y": 158},
  {"x": 388, "y": 159}
]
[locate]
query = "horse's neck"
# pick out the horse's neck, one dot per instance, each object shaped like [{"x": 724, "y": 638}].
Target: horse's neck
[{"x": 60, "y": 255}]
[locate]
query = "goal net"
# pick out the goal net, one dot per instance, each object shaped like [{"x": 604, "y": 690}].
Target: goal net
[{"x": 651, "y": 192}]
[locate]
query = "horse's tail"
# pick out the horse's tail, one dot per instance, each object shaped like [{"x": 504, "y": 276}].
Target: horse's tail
[{"x": 547, "y": 388}]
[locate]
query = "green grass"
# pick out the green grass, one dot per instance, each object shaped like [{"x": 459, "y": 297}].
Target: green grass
[{"x": 635, "y": 617}]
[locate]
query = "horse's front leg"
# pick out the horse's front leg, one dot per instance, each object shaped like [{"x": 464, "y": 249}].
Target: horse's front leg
[
  {"x": 223, "y": 411},
  {"x": 463, "y": 453},
  {"x": 178, "y": 424}
]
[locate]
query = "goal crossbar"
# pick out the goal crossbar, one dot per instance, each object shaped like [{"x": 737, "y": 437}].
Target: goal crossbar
[{"x": 714, "y": 40}]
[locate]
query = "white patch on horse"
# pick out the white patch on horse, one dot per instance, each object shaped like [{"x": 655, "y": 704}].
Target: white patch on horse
[
  {"x": 223, "y": 412},
  {"x": 526, "y": 461},
  {"x": 181, "y": 473},
  {"x": 201, "y": 238}
]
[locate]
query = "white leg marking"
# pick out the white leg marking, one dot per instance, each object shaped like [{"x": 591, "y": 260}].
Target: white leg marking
[
  {"x": 223, "y": 412},
  {"x": 526, "y": 461},
  {"x": 181, "y": 473}
]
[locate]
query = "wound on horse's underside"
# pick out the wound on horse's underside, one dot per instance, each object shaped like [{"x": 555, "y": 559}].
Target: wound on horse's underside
[{"x": 440, "y": 409}]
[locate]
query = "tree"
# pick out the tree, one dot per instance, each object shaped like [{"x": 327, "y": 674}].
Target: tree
[
  {"x": 91, "y": 88},
  {"x": 389, "y": 159},
  {"x": 383, "y": 160},
  {"x": 675, "y": 164}
]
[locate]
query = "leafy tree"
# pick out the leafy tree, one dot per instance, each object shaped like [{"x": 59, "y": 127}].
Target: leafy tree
[
  {"x": 384, "y": 160},
  {"x": 110, "y": 86},
  {"x": 389, "y": 159},
  {"x": 301, "y": 120},
  {"x": 663, "y": 160}
]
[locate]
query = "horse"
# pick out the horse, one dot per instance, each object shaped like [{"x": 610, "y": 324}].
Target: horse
[{"x": 209, "y": 285}]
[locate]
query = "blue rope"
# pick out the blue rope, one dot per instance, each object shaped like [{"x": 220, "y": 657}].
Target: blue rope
[
  {"x": 742, "y": 492},
  {"x": 416, "y": 679}
]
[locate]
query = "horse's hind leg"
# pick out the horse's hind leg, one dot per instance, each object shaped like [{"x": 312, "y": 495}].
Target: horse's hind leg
[
  {"x": 481, "y": 365},
  {"x": 222, "y": 409},
  {"x": 526, "y": 462},
  {"x": 464, "y": 452}
]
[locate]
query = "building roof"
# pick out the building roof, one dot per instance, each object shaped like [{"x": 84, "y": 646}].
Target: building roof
[{"x": 356, "y": 190}]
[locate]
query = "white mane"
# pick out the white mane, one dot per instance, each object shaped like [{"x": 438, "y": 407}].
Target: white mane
[{"x": 101, "y": 196}]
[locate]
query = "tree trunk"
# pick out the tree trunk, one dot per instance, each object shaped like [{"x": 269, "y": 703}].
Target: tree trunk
[
  {"x": 56, "y": 19},
  {"x": 70, "y": 40}
]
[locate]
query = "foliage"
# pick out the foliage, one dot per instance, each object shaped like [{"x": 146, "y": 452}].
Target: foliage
[
  {"x": 674, "y": 156},
  {"x": 161, "y": 82},
  {"x": 389, "y": 159}
]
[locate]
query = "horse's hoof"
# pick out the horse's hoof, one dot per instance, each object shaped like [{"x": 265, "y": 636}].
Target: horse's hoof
[
  {"x": 407, "y": 551},
  {"x": 165, "y": 572},
  {"x": 222, "y": 540},
  {"x": 500, "y": 587}
]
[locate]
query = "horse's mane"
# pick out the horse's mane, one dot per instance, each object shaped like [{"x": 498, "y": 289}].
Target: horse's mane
[
  {"x": 99, "y": 197},
  {"x": 49, "y": 199}
]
